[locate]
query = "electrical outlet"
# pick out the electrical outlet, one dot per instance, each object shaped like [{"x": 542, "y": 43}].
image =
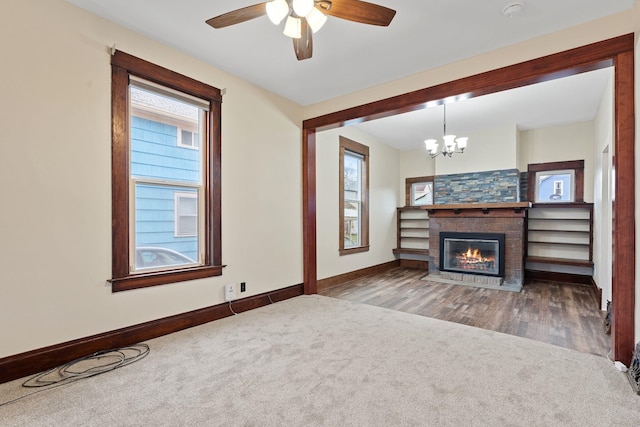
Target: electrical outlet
[
  {"x": 243, "y": 286},
  {"x": 230, "y": 292}
]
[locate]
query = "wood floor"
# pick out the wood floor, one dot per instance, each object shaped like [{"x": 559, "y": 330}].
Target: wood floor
[{"x": 560, "y": 314}]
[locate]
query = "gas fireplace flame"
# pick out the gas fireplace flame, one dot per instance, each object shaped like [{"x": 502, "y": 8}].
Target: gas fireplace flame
[{"x": 473, "y": 256}]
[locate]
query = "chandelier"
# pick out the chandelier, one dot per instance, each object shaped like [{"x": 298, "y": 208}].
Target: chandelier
[
  {"x": 451, "y": 144},
  {"x": 277, "y": 10}
]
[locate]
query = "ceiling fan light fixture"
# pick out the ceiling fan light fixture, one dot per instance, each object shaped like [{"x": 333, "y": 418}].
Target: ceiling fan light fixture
[
  {"x": 302, "y": 7},
  {"x": 316, "y": 19},
  {"x": 277, "y": 10},
  {"x": 292, "y": 28}
]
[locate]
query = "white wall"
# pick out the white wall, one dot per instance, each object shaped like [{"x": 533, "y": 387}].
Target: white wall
[
  {"x": 602, "y": 192},
  {"x": 488, "y": 150},
  {"x": 574, "y": 141},
  {"x": 55, "y": 225},
  {"x": 383, "y": 199}
]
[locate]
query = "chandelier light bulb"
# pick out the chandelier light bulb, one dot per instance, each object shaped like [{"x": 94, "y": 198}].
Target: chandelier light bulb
[
  {"x": 316, "y": 19},
  {"x": 277, "y": 10},
  {"x": 292, "y": 28},
  {"x": 302, "y": 7}
]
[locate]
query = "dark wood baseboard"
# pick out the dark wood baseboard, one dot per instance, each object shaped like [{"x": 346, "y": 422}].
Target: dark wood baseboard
[
  {"x": 413, "y": 263},
  {"x": 552, "y": 276},
  {"x": 31, "y": 362},
  {"x": 357, "y": 274}
]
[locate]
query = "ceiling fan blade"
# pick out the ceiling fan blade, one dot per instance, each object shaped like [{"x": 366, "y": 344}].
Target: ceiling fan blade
[
  {"x": 238, "y": 16},
  {"x": 357, "y": 11},
  {"x": 304, "y": 45}
]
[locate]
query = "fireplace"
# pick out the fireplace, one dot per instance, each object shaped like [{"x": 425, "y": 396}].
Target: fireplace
[{"x": 472, "y": 253}]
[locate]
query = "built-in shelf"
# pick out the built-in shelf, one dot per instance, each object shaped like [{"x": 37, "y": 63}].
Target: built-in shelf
[
  {"x": 413, "y": 231},
  {"x": 560, "y": 234}
]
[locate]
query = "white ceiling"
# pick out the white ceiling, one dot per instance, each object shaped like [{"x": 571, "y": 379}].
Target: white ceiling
[{"x": 348, "y": 56}]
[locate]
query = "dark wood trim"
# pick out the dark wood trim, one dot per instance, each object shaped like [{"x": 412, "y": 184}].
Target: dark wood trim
[
  {"x": 413, "y": 263},
  {"x": 576, "y": 165},
  {"x": 552, "y": 276},
  {"x": 357, "y": 274},
  {"x": 123, "y": 66},
  {"x": 31, "y": 362},
  {"x": 624, "y": 279},
  {"x": 562, "y": 64},
  {"x": 309, "y": 232},
  {"x": 399, "y": 251},
  {"x": 618, "y": 52},
  {"x": 347, "y": 144},
  {"x": 560, "y": 261}
]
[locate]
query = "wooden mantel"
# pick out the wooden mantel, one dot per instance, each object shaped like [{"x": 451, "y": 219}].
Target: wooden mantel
[{"x": 474, "y": 209}]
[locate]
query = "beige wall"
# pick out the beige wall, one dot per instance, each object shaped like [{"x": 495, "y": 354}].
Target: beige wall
[
  {"x": 383, "y": 196},
  {"x": 488, "y": 150},
  {"x": 55, "y": 225},
  {"x": 602, "y": 193},
  {"x": 556, "y": 143}
]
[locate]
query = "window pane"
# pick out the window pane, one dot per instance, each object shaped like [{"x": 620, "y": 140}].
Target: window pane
[
  {"x": 166, "y": 213},
  {"x": 351, "y": 224},
  {"x": 157, "y": 241},
  {"x": 421, "y": 193},
  {"x": 155, "y": 152},
  {"x": 352, "y": 168},
  {"x": 555, "y": 186}
]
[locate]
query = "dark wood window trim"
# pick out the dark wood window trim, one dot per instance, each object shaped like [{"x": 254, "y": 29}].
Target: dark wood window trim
[
  {"x": 408, "y": 182},
  {"x": 355, "y": 147},
  {"x": 123, "y": 66},
  {"x": 576, "y": 165}
]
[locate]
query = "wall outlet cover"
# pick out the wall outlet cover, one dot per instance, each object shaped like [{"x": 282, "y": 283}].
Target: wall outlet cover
[{"x": 230, "y": 292}]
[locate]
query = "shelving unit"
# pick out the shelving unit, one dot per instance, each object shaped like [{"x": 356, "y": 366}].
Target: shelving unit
[
  {"x": 560, "y": 234},
  {"x": 413, "y": 231}
]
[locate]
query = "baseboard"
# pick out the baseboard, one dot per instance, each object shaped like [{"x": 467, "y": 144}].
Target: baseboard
[
  {"x": 414, "y": 263},
  {"x": 357, "y": 274},
  {"x": 552, "y": 276},
  {"x": 31, "y": 362}
]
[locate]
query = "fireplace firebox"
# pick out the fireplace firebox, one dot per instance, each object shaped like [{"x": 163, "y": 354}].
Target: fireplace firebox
[{"x": 472, "y": 253}]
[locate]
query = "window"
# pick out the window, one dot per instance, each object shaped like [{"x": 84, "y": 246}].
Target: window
[
  {"x": 354, "y": 197},
  {"x": 556, "y": 182},
  {"x": 186, "y": 218},
  {"x": 188, "y": 139},
  {"x": 166, "y": 200},
  {"x": 419, "y": 191}
]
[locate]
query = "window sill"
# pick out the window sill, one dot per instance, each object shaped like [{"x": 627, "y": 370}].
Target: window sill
[
  {"x": 145, "y": 280},
  {"x": 354, "y": 250}
]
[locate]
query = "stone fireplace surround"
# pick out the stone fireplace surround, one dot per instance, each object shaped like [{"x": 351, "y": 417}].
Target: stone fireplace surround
[{"x": 507, "y": 218}]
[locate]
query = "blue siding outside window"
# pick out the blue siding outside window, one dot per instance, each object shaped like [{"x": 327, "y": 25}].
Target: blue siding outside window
[{"x": 155, "y": 154}]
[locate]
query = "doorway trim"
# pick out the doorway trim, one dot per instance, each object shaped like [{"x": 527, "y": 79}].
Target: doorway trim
[{"x": 617, "y": 52}]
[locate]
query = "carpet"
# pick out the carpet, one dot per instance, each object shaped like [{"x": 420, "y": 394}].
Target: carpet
[{"x": 319, "y": 361}]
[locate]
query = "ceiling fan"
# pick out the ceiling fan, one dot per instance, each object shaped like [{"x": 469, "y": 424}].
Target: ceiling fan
[{"x": 305, "y": 17}]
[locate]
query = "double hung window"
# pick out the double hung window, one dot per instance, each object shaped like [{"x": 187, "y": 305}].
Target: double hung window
[
  {"x": 165, "y": 175},
  {"x": 354, "y": 197}
]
